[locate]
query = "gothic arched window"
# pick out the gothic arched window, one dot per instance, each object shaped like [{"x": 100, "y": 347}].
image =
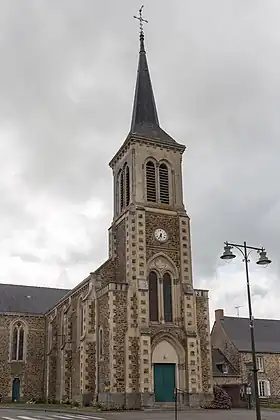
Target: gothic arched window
[
  {"x": 163, "y": 183},
  {"x": 101, "y": 343},
  {"x": 121, "y": 191},
  {"x": 50, "y": 336},
  {"x": 62, "y": 329},
  {"x": 127, "y": 186},
  {"x": 81, "y": 319},
  {"x": 118, "y": 192},
  {"x": 18, "y": 341},
  {"x": 153, "y": 296},
  {"x": 151, "y": 182},
  {"x": 167, "y": 297}
]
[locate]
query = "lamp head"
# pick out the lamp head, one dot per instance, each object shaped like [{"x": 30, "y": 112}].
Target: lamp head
[
  {"x": 263, "y": 260},
  {"x": 227, "y": 254}
]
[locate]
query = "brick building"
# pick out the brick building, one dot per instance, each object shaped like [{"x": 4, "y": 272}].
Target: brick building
[
  {"x": 134, "y": 329},
  {"x": 231, "y": 337}
]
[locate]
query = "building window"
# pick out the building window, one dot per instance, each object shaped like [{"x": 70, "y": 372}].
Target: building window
[
  {"x": 18, "y": 341},
  {"x": 153, "y": 296},
  {"x": 264, "y": 388},
  {"x": 121, "y": 191},
  {"x": 127, "y": 186},
  {"x": 167, "y": 297},
  {"x": 151, "y": 182},
  {"x": 62, "y": 330},
  {"x": 118, "y": 184},
  {"x": 163, "y": 184},
  {"x": 81, "y": 319},
  {"x": 101, "y": 343},
  {"x": 260, "y": 363},
  {"x": 50, "y": 332}
]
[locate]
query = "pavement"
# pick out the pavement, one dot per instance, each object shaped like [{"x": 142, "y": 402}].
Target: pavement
[{"x": 13, "y": 414}]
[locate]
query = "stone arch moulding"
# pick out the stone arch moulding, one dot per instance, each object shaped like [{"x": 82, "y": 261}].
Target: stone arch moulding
[
  {"x": 178, "y": 356},
  {"x": 18, "y": 323},
  {"x": 173, "y": 341},
  {"x": 150, "y": 158},
  {"x": 162, "y": 263},
  {"x": 166, "y": 162}
]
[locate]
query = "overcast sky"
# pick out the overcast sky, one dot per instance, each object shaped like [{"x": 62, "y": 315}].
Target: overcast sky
[{"x": 67, "y": 77}]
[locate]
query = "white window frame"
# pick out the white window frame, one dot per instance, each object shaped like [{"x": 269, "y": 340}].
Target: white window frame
[
  {"x": 264, "y": 388},
  {"x": 260, "y": 364}
]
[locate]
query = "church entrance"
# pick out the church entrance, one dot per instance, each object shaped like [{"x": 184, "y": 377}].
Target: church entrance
[
  {"x": 164, "y": 381},
  {"x": 16, "y": 390}
]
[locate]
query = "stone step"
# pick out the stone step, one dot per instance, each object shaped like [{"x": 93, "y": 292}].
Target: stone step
[{"x": 168, "y": 407}]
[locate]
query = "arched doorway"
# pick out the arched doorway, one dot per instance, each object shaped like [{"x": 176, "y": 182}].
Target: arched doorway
[
  {"x": 165, "y": 363},
  {"x": 16, "y": 390}
]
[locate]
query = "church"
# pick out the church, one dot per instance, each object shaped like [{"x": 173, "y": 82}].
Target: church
[{"x": 135, "y": 329}]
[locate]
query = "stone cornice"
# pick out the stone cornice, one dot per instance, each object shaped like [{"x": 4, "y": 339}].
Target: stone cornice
[{"x": 133, "y": 138}]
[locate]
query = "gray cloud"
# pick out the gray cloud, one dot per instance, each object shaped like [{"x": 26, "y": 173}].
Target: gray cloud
[{"x": 67, "y": 76}]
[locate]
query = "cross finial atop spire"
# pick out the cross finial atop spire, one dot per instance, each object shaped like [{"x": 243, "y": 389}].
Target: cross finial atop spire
[{"x": 141, "y": 21}]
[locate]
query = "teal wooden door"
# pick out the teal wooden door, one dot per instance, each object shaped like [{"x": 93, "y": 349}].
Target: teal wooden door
[
  {"x": 164, "y": 382},
  {"x": 16, "y": 390}
]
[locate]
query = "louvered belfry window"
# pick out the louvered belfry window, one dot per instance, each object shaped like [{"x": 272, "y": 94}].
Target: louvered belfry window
[
  {"x": 153, "y": 296},
  {"x": 163, "y": 184},
  {"x": 151, "y": 181},
  {"x": 167, "y": 297},
  {"x": 127, "y": 186}
]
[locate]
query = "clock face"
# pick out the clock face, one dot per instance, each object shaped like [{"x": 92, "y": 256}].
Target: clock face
[{"x": 160, "y": 235}]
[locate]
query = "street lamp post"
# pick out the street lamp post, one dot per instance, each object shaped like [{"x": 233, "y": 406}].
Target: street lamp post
[{"x": 263, "y": 260}]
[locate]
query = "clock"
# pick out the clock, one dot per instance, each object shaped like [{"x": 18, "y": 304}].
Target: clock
[{"x": 161, "y": 235}]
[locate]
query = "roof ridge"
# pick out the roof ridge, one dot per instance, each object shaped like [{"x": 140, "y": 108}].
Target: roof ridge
[
  {"x": 255, "y": 319},
  {"x": 36, "y": 287}
]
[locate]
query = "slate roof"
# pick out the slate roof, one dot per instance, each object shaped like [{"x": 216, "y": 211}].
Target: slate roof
[
  {"x": 267, "y": 334},
  {"x": 28, "y": 299},
  {"x": 145, "y": 120}
]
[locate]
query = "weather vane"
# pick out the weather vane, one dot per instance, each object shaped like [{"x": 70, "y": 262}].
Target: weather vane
[{"x": 141, "y": 20}]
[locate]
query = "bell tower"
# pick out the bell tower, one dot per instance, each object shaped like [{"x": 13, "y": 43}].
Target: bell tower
[{"x": 167, "y": 321}]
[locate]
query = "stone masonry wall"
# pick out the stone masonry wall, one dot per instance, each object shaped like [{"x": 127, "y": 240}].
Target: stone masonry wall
[
  {"x": 271, "y": 371},
  {"x": 120, "y": 246},
  {"x": 103, "y": 315},
  {"x": 119, "y": 333},
  {"x": 106, "y": 272},
  {"x": 91, "y": 353},
  {"x": 171, "y": 225},
  {"x": 133, "y": 347},
  {"x": 220, "y": 340},
  {"x": 203, "y": 326},
  {"x": 31, "y": 371}
]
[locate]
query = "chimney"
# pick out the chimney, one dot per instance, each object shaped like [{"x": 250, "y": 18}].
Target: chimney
[{"x": 219, "y": 315}]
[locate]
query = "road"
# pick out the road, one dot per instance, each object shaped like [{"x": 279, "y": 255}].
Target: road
[{"x": 11, "y": 414}]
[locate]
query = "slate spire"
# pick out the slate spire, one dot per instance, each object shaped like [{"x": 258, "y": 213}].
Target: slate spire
[
  {"x": 144, "y": 108},
  {"x": 145, "y": 120}
]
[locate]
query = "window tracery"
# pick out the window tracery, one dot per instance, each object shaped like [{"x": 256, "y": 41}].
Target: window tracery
[{"x": 18, "y": 338}]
